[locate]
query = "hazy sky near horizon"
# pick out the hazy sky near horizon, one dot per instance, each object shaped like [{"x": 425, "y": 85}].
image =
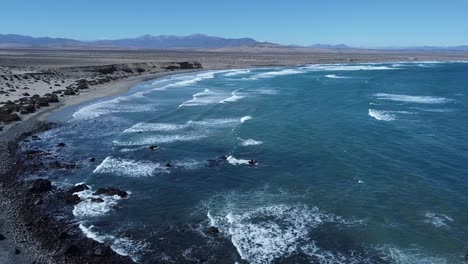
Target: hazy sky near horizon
[{"x": 367, "y": 23}]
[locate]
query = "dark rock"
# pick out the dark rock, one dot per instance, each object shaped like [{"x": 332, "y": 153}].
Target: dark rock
[
  {"x": 17, "y": 251},
  {"x": 69, "y": 91},
  {"x": 61, "y": 145},
  {"x": 63, "y": 235},
  {"x": 40, "y": 186},
  {"x": 78, "y": 188},
  {"x": 2, "y": 237},
  {"x": 153, "y": 147},
  {"x": 70, "y": 249},
  {"x": 82, "y": 84},
  {"x": 213, "y": 230},
  {"x": 168, "y": 165},
  {"x": 25, "y": 94},
  {"x": 107, "y": 69},
  {"x": 190, "y": 65},
  {"x": 97, "y": 200},
  {"x": 111, "y": 192},
  {"x": 29, "y": 108},
  {"x": 34, "y": 137},
  {"x": 253, "y": 162},
  {"x": 71, "y": 198},
  {"x": 51, "y": 97},
  {"x": 8, "y": 118},
  {"x": 92, "y": 159},
  {"x": 40, "y": 102}
]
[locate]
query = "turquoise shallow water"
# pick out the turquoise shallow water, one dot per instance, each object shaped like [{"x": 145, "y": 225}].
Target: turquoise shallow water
[{"x": 358, "y": 163}]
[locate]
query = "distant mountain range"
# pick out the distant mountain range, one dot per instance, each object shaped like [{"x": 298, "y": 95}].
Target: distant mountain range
[
  {"x": 196, "y": 41},
  {"x": 145, "y": 42}
]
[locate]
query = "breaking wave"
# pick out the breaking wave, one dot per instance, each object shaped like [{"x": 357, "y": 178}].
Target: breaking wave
[{"x": 412, "y": 98}]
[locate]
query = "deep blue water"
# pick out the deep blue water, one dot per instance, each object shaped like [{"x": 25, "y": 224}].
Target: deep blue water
[{"x": 358, "y": 163}]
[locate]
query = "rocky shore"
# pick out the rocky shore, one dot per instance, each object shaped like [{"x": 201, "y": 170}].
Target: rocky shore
[{"x": 36, "y": 221}]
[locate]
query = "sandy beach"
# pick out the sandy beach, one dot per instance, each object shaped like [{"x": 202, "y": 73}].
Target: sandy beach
[{"x": 34, "y": 83}]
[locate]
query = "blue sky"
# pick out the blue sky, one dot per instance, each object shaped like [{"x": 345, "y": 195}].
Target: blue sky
[{"x": 367, "y": 23}]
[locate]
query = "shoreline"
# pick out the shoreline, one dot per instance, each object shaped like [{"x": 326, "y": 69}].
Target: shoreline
[
  {"x": 19, "y": 209},
  {"x": 16, "y": 207}
]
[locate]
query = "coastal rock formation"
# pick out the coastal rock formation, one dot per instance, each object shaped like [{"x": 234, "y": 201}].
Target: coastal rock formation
[
  {"x": 213, "y": 230},
  {"x": 78, "y": 188},
  {"x": 71, "y": 198},
  {"x": 40, "y": 186},
  {"x": 183, "y": 65},
  {"x": 111, "y": 192}
]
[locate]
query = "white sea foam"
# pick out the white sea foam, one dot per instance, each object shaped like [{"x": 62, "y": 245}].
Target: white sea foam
[
  {"x": 381, "y": 115},
  {"x": 141, "y": 127},
  {"x": 232, "y": 160},
  {"x": 334, "y": 76},
  {"x": 271, "y": 74},
  {"x": 122, "y": 246},
  {"x": 115, "y": 105},
  {"x": 267, "y": 91},
  {"x": 204, "y": 98},
  {"x": 234, "y": 97},
  {"x": 245, "y": 118},
  {"x": 159, "y": 139},
  {"x": 265, "y": 234},
  {"x": 344, "y": 67},
  {"x": 412, "y": 98},
  {"x": 86, "y": 208},
  {"x": 250, "y": 142},
  {"x": 397, "y": 255},
  {"x": 437, "y": 220},
  {"x": 130, "y": 168},
  {"x": 218, "y": 122},
  {"x": 188, "y": 164},
  {"x": 236, "y": 72}
]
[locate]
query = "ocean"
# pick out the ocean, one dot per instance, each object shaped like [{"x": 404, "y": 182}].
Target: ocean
[{"x": 352, "y": 163}]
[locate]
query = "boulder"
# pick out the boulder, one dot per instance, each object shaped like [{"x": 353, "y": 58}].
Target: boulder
[
  {"x": 51, "y": 97},
  {"x": 82, "y": 84},
  {"x": 78, "y": 188},
  {"x": 40, "y": 186},
  {"x": 71, "y": 198},
  {"x": 69, "y": 91},
  {"x": 61, "y": 145},
  {"x": 42, "y": 101},
  {"x": 153, "y": 147},
  {"x": 111, "y": 192},
  {"x": 92, "y": 159},
  {"x": 8, "y": 118},
  {"x": 28, "y": 108},
  {"x": 213, "y": 230},
  {"x": 2, "y": 237},
  {"x": 107, "y": 69}
]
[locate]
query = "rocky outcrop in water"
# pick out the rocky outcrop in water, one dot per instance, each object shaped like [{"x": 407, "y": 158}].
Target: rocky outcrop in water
[{"x": 111, "y": 192}]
